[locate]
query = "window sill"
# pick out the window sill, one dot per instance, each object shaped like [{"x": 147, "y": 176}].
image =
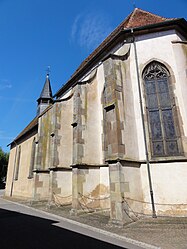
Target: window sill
[{"x": 168, "y": 159}]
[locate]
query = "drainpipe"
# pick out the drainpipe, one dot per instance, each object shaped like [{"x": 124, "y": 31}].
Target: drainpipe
[
  {"x": 144, "y": 130},
  {"x": 12, "y": 185}
]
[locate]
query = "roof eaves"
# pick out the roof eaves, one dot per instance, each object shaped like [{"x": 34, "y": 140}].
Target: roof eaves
[
  {"x": 164, "y": 24},
  {"x": 27, "y": 129},
  {"x": 30, "y": 126}
]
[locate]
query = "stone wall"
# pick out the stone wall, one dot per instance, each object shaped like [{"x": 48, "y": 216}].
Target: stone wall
[
  {"x": 40, "y": 186},
  {"x": 60, "y": 186},
  {"x": 89, "y": 193},
  {"x": 21, "y": 186},
  {"x": 170, "y": 190},
  {"x": 45, "y": 130}
]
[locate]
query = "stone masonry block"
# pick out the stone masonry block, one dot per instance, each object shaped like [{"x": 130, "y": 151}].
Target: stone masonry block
[
  {"x": 119, "y": 211},
  {"x": 114, "y": 177},
  {"x": 125, "y": 187}
]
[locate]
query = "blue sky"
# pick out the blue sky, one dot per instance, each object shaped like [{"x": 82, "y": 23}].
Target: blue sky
[{"x": 59, "y": 33}]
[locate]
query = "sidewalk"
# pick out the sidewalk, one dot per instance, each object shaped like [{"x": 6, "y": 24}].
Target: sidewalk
[{"x": 165, "y": 233}]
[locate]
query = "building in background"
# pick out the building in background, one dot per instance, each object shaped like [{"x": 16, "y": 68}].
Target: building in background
[{"x": 114, "y": 137}]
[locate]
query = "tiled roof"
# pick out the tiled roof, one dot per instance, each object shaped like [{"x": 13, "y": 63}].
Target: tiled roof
[
  {"x": 137, "y": 18},
  {"x": 140, "y": 18}
]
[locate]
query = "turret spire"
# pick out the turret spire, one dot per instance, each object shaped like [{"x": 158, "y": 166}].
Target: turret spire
[{"x": 45, "y": 98}]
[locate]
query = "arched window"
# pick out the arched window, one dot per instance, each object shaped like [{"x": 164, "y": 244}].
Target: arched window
[{"x": 162, "y": 127}]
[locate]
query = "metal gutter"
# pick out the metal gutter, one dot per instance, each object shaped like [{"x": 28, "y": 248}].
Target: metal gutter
[{"x": 144, "y": 129}]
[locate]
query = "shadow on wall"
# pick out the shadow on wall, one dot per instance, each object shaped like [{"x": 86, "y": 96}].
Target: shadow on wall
[{"x": 21, "y": 231}]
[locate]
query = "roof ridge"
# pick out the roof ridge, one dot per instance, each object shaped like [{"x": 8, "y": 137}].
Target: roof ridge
[
  {"x": 145, "y": 11},
  {"x": 141, "y": 17}
]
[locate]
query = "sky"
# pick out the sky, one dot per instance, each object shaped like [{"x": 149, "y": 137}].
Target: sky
[{"x": 35, "y": 34}]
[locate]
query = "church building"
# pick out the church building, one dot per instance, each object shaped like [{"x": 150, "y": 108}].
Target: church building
[{"x": 114, "y": 137}]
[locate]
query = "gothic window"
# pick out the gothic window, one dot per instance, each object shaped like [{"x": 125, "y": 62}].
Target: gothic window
[
  {"x": 33, "y": 149},
  {"x": 162, "y": 128},
  {"x": 17, "y": 163}
]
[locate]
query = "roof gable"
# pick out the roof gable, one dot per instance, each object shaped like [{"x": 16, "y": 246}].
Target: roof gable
[{"x": 140, "y": 18}]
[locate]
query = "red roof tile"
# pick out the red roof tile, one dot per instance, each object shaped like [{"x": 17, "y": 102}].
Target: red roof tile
[{"x": 140, "y": 18}]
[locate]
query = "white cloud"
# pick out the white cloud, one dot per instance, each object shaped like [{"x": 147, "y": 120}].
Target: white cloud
[
  {"x": 75, "y": 26},
  {"x": 5, "y": 84},
  {"x": 90, "y": 30},
  {"x": 2, "y": 87}
]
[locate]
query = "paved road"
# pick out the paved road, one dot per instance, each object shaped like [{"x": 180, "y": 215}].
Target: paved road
[
  {"x": 1, "y": 192},
  {"x": 25, "y": 228}
]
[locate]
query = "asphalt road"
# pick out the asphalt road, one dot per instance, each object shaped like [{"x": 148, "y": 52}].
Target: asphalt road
[
  {"x": 22, "y": 228},
  {"x": 21, "y": 231}
]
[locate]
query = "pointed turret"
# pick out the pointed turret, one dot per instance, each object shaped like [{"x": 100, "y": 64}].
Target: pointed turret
[{"x": 45, "y": 98}]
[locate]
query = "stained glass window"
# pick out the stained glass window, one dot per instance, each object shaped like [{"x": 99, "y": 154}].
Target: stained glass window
[{"x": 164, "y": 141}]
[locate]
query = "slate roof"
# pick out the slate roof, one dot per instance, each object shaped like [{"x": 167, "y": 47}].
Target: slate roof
[{"x": 46, "y": 92}]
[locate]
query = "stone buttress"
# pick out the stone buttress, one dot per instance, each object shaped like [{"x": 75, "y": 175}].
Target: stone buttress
[{"x": 114, "y": 126}]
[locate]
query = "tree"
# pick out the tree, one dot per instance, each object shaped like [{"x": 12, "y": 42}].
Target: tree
[{"x": 3, "y": 166}]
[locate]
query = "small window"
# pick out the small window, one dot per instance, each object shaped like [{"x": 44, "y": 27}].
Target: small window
[{"x": 162, "y": 128}]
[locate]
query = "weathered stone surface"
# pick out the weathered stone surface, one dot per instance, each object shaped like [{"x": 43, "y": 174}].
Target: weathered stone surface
[{"x": 113, "y": 97}]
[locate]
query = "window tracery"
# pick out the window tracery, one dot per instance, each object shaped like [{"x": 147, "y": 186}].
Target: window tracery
[{"x": 164, "y": 140}]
